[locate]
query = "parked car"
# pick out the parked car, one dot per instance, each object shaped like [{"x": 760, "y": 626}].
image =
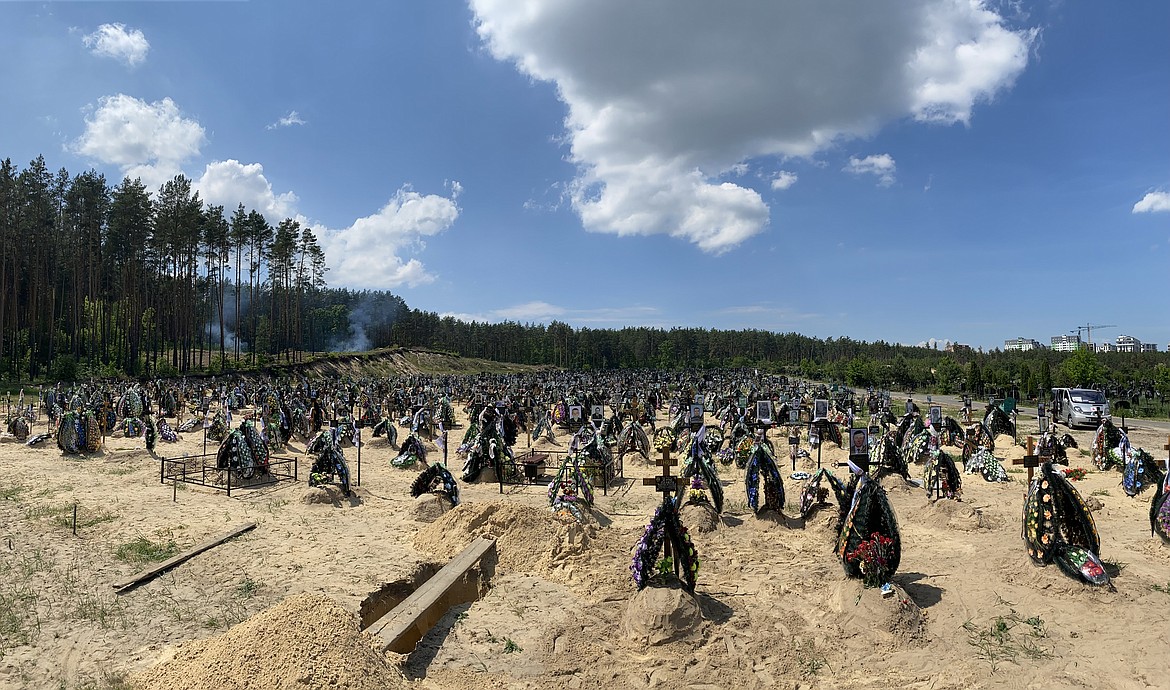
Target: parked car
[{"x": 1079, "y": 406}]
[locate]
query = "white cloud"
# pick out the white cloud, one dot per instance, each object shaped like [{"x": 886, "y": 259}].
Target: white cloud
[
  {"x": 230, "y": 183},
  {"x": 652, "y": 128},
  {"x": 935, "y": 343},
  {"x": 115, "y": 41},
  {"x": 783, "y": 180},
  {"x": 1153, "y": 202},
  {"x": 543, "y": 312},
  {"x": 366, "y": 254},
  {"x": 287, "y": 121},
  {"x": 881, "y": 166},
  {"x": 530, "y": 311},
  {"x": 147, "y": 140}
]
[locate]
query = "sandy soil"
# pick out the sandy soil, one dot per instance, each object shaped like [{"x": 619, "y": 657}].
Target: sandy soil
[{"x": 970, "y": 609}]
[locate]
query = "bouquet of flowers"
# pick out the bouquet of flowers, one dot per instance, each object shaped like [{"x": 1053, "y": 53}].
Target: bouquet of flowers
[{"x": 873, "y": 556}]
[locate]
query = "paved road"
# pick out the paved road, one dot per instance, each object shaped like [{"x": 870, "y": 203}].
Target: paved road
[{"x": 1150, "y": 425}]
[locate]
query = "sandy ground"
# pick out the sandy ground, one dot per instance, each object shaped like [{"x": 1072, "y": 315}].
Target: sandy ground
[{"x": 970, "y": 609}]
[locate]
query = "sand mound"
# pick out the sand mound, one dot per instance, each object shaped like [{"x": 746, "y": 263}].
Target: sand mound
[
  {"x": 306, "y": 641},
  {"x": 896, "y": 620},
  {"x": 699, "y": 517},
  {"x": 429, "y": 507},
  {"x": 657, "y": 615},
  {"x": 528, "y": 539}
]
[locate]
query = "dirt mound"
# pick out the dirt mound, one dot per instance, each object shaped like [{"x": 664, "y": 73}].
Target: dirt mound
[
  {"x": 306, "y": 641},
  {"x": 528, "y": 539},
  {"x": 896, "y": 620},
  {"x": 657, "y": 615}
]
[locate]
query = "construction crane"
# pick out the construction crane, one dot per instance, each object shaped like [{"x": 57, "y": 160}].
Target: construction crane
[{"x": 1088, "y": 330}]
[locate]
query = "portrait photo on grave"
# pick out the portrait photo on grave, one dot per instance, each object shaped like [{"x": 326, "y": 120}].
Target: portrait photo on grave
[
  {"x": 858, "y": 442},
  {"x": 597, "y": 412},
  {"x": 575, "y": 413},
  {"x": 1043, "y": 421},
  {"x": 764, "y": 411},
  {"x": 936, "y": 416},
  {"x": 820, "y": 409},
  {"x": 794, "y": 414},
  {"x": 696, "y": 413}
]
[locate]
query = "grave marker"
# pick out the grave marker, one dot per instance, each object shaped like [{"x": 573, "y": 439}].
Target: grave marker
[
  {"x": 665, "y": 484},
  {"x": 1031, "y": 460}
]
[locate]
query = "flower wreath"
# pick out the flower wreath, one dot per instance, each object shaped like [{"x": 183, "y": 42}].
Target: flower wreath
[
  {"x": 699, "y": 468},
  {"x": 570, "y": 484},
  {"x": 436, "y": 479},
  {"x": 665, "y": 525},
  {"x": 763, "y": 465}
]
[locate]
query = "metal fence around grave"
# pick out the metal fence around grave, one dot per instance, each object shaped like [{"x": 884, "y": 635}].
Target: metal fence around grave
[
  {"x": 202, "y": 470},
  {"x": 533, "y": 467}
]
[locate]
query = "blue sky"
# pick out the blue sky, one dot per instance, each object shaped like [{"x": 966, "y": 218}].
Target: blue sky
[{"x": 898, "y": 170}]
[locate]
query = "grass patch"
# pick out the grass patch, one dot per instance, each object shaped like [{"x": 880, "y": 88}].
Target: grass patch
[
  {"x": 120, "y": 470},
  {"x": 1100, "y": 492},
  {"x": 103, "y": 609},
  {"x": 146, "y": 550},
  {"x": 19, "y": 620},
  {"x": 61, "y": 515},
  {"x": 810, "y": 662},
  {"x": 510, "y": 646},
  {"x": 1160, "y": 588},
  {"x": 105, "y": 680},
  {"x": 1009, "y": 638},
  {"x": 247, "y": 588},
  {"x": 11, "y": 493}
]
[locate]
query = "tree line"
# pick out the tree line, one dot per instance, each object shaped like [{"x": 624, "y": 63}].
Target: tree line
[
  {"x": 99, "y": 281},
  {"x": 120, "y": 280}
]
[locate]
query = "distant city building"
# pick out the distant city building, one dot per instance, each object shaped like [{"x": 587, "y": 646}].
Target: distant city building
[
  {"x": 1149, "y": 347},
  {"x": 1066, "y": 343},
  {"x": 1128, "y": 343},
  {"x": 958, "y": 347},
  {"x": 1106, "y": 347},
  {"x": 1021, "y": 344}
]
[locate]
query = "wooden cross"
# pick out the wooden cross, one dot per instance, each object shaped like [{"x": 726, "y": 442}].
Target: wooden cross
[
  {"x": 665, "y": 484},
  {"x": 1031, "y": 461}
]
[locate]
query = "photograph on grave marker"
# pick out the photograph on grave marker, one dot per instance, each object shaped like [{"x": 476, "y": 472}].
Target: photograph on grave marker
[
  {"x": 764, "y": 411},
  {"x": 820, "y": 409},
  {"x": 858, "y": 442},
  {"x": 696, "y": 415}
]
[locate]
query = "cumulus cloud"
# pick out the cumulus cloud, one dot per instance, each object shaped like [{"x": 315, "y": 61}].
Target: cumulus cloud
[
  {"x": 229, "y": 183},
  {"x": 293, "y": 118},
  {"x": 783, "y": 180},
  {"x": 147, "y": 140},
  {"x": 366, "y": 255},
  {"x": 1153, "y": 202},
  {"x": 881, "y": 166},
  {"x": 116, "y": 41},
  {"x": 651, "y": 128}
]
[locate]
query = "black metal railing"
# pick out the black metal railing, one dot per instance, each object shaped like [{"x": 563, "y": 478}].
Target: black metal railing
[{"x": 203, "y": 470}]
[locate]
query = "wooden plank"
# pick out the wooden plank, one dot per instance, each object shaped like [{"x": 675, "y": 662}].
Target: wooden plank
[
  {"x": 402, "y": 628},
  {"x": 141, "y": 577}
]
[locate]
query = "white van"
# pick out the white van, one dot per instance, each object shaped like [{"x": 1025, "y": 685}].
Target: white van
[{"x": 1079, "y": 406}]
